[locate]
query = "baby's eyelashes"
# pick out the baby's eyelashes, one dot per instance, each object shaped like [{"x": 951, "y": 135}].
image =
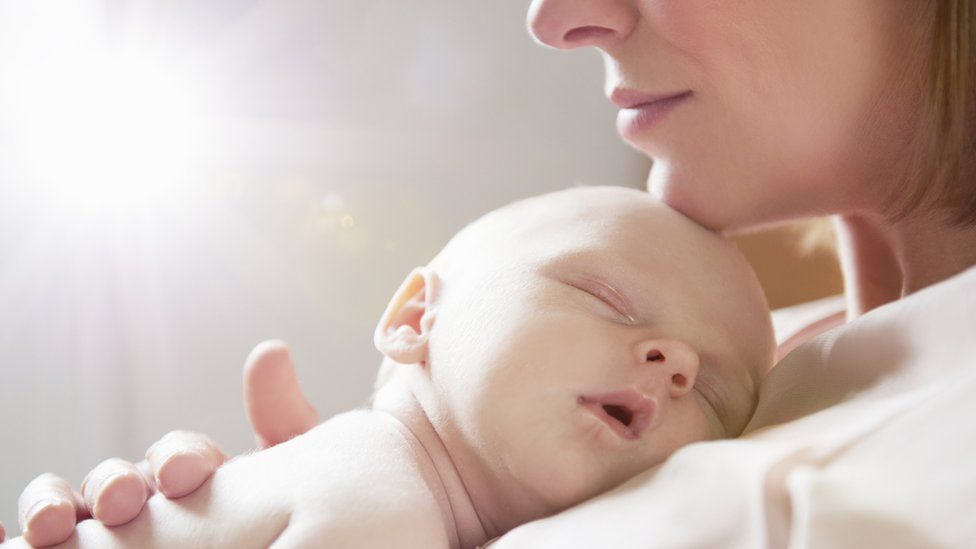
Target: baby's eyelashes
[{"x": 608, "y": 297}]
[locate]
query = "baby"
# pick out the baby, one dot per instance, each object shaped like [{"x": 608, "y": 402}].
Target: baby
[{"x": 554, "y": 348}]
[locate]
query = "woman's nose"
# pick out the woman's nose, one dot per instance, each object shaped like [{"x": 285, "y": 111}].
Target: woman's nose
[
  {"x": 567, "y": 24},
  {"x": 671, "y": 364}
]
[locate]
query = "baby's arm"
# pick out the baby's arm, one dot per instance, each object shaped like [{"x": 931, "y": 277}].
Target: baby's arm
[{"x": 350, "y": 482}]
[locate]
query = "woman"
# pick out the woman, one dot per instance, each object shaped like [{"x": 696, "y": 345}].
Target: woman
[{"x": 753, "y": 113}]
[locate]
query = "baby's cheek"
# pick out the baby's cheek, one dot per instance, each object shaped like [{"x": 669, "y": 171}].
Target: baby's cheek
[
  {"x": 690, "y": 424},
  {"x": 561, "y": 475}
]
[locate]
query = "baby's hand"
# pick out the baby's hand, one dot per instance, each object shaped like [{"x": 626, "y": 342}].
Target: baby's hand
[{"x": 115, "y": 491}]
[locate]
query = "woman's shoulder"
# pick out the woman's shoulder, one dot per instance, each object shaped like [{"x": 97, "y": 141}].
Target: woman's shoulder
[
  {"x": 902, "y": 347},
  {"x": 798, "y": 323}
]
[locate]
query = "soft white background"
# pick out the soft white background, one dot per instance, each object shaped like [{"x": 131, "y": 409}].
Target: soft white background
[{"x": 347, "y": 141}]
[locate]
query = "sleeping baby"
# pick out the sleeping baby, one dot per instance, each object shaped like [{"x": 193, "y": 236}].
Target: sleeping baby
[{"x": 553, "y": 349}]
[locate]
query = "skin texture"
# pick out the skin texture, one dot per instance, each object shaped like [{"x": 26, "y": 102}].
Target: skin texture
[
  {"x": 177, "y": 464},
  {"x": 299, "y": 493},
  {"x": 538, "y": 338},
  {"x": 797, "y": 109},
  {"x": 492, "y": 347},
  {"x": 782, "y": 118}
]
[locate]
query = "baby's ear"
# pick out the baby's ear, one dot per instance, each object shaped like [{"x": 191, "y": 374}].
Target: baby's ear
[{"x": 403, "y": 332}]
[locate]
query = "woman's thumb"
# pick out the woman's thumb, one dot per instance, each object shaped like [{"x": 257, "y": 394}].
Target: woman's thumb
[{"x": 274, "y": 402}]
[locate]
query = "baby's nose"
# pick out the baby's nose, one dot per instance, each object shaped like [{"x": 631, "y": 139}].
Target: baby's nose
[{"x": 668, "y": 363}]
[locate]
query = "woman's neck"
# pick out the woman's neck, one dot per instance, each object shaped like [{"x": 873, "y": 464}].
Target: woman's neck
[{"x": 884, "y": 261}]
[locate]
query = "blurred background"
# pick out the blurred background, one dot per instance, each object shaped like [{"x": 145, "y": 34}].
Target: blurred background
[{"x": 180, "y": 180}]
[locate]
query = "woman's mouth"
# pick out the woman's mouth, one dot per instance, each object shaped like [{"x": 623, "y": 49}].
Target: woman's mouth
[
  {"x": 626, "y": 412},
  {"x": 640, "y": 112}
]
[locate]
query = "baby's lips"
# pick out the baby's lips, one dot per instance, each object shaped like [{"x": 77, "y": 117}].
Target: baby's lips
[
  {"x": 642, "y": 419},
  {"x": 627, "y": 412}
]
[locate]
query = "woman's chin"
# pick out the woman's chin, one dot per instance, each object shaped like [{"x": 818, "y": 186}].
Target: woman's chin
[
  {"x": 684, "y": 198},
  {"x": 712, "y": 203}
]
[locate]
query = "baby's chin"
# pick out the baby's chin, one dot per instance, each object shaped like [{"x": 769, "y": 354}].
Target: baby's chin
[
  {"x": 563, "y": 487},
  {"x": 564, "y": 464}
]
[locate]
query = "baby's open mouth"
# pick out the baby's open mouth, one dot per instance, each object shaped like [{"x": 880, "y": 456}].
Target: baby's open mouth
[{"x": 626, "y": 412}]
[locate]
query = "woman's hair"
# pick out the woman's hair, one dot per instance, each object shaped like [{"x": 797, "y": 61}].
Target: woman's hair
[
  {"x": 942, "y": 170},
  {"x": 944, "y": 173}
]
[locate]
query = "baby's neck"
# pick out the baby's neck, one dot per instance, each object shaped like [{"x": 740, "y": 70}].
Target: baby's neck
[
  {"x": 457, "y": 506},
  {"x": 476, "y": 503}
]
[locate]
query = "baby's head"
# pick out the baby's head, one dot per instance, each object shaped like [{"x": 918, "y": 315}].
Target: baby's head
[{"x": 569, "y": 341}]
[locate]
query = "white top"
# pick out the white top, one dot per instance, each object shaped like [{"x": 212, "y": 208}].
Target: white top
[{"x": 799, "y": 323}]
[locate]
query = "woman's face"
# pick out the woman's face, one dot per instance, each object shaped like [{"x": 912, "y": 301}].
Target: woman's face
[{"x": 796, "y": 108}]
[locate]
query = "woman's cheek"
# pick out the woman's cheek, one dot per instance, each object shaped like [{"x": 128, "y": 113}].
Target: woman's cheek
[{"x": 710, "y": 33}]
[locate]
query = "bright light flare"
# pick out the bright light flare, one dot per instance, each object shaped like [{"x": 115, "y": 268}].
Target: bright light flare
[
  {"x": 110, "y": 124},
  {"x": 103, "y": 128}
]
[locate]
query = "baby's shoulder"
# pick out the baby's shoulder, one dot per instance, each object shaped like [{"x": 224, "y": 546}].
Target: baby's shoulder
[
  {"x": 365, "y": 481},
  {"x": 350, "y": 450}
]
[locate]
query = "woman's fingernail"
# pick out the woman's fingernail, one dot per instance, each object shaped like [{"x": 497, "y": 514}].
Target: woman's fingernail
[
  {"x": 182, "y": 473},
  {"x": 48, "y": 522},
  {"x": 120, "y": 498},
  {"x": 41, "y": 505},
  {"x": 91, "y": 494}
]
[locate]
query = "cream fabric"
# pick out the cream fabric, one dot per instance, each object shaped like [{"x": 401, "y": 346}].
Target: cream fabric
[
  {"x": 864, "y": 437},
  {"x": 799, "y": 323}
]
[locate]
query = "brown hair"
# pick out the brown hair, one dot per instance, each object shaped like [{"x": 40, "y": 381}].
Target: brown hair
[
  {"x": 943, "y": 175},
  {"x": 942, "y": 170}
]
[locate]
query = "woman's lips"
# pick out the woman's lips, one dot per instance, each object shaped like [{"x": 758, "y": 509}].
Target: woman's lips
[
  {"x": 626, "y": 412},
  {"x": 639, "y": 112}
]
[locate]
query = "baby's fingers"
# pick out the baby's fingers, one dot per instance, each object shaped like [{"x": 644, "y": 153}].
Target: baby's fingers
[
  {"x": 182, "y": 461},
  {"x": 115, "y": 491},
  {"x": 48, "y": 509}
]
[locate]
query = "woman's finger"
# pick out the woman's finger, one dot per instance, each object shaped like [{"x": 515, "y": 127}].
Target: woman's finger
[
  {"x": 115, "y": 491},
  {"x": 182, "y": 461},
  {"x": 146, "y": 471},
  {"x": 48, "y": 509},
  {"x": 275, "y": 405},
  {"x": 3, "y": 533}
]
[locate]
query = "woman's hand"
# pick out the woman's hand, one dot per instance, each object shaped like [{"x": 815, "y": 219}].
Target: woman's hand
[
  {"x": 276, "y": 407},
  {"x": 176, "y": 465}
]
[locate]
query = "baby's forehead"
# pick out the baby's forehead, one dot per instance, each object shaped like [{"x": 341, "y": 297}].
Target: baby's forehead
[
  {"x": 625, "y": 239},
  {"x": 588, "y": 224},
  {"x": 588, "y": 209},
  {"x": 585, "y": 219}
]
